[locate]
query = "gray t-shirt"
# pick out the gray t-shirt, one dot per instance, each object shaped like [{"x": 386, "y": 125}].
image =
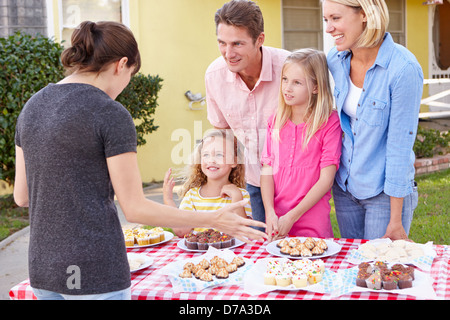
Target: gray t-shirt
[{"x": 76, "y": 243}]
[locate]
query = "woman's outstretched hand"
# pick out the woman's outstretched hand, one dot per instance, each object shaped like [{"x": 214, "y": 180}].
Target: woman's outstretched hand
[{"x": 228, "y": 221}]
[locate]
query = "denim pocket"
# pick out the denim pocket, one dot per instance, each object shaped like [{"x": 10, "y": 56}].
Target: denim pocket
[{"x": 373, "y": 112}]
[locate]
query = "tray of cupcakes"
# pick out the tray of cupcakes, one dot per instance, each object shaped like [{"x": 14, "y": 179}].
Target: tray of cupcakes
[
  {"x": 142, "y": 237},
  {"x": 303, "y": 247},
  {"x": 395, "y": 278},
  {"x": 271, "y": 274},
  {"x": 379, "y": 275},
  {"x": 200, "y": 241}
]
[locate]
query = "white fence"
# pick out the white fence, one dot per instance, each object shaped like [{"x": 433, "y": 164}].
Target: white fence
[{"x": 444, "y": 107}]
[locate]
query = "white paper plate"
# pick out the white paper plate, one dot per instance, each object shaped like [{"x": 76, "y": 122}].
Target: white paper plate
[
  {"x": 145, "y": 261},
  {"x": 254, "y": 280},
  {"x": 182, "y": 246},
  {"x": 167, "y": 237},
  {"x": 422, "y": 285},
  {"x": 333, "y": 248}
]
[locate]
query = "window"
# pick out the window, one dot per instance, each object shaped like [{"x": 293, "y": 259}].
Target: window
[
  {"x": 302, "y": 24},
  {"x": 397, "y": 20},
  {"x": 73, "y": 12},
  {"x": 28, "y": 16}
]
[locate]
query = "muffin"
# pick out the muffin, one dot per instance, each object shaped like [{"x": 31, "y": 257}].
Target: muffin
[
  {"x": 300, "y": 280},
  {"x": 143, "y": 239},
  {"x": 319, "y": 264},
  {"x": 389, "y": 281},
  {"x": 202, "y": 243},
  {"x": 269, "y": 277},
  {"x": 215, "y": 242},
  {"x": 283, "y": 279},
  {"x": 226, "y": 241},
  {"x": 404, "y": 281},
  {"x": 314, "y": 276},
  {"x": 191, "y": 242},
  {"x": 374, "y": 281},
  {"x": 154, "y": 238},
  {"x": 361, "y": 278},
  {"x": 129, "y": 240}
]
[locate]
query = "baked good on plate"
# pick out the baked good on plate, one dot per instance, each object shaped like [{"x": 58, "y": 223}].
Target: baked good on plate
[{"x": 299, "y": 280}]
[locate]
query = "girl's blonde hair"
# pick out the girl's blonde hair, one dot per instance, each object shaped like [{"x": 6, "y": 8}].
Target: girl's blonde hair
[
  {"x": 377, "y": 15},
  {"x": 320, "y": 104},
  {"x": 195, "y": 176}
]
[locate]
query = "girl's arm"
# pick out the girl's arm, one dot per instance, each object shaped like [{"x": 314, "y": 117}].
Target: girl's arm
[
  {"x": 232, "y": 191},
  {"x": 20, "y": 180},
  {"x": 127, "y": 183},
  {"x": 168, "y": 186},
  {"x": 320, "y": 188},
  {"x": 267, "y": 195}
]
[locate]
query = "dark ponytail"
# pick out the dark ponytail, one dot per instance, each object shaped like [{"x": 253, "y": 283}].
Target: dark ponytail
[{"x": 96, "y": 45}]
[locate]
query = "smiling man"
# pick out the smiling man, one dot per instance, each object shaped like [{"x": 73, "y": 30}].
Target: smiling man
[{"x": 242, "y": 85}]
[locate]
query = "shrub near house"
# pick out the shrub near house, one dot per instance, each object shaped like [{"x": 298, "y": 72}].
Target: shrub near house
[{"x": 29, "y": 63}]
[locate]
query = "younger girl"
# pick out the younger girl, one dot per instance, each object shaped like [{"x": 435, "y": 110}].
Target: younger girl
[
  {"x": 216, "y": 177},
  {"x": 302, "y": 150}
]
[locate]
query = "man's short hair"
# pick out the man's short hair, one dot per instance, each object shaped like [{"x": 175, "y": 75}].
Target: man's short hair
[{"x": 241, "y": 13}]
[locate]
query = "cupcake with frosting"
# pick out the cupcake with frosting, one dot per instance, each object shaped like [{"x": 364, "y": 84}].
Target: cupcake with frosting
[
  {"x": 283, "y": 279},
  {"x": 299, "y": 279}
]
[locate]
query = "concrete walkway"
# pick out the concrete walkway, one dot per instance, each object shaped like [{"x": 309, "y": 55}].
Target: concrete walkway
[{"x": 14, "y": 250}]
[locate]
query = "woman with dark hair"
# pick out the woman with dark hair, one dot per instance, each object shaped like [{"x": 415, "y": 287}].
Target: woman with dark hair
[{"x": 75, "y": 150}]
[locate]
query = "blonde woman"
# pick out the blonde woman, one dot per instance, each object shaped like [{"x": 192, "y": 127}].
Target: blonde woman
[
  {"x": 378, "y": 88},
  {"x": 301, "y": 151},
  {"x": 215, "y": 178}
]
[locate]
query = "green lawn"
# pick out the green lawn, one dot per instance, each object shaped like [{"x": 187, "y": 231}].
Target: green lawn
[{"x": 431, "y": 220}]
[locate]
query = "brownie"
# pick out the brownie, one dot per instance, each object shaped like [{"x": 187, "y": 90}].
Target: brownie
[
  {"x": 361, "y": 278},
  {"x": 404, "y": 281},
  {"x": 389, "y": 281},
  {"x": 202, "y": 243}
]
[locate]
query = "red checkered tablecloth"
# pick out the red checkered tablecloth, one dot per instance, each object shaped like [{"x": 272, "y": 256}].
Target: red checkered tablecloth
[{"x": 151, "y": 284}]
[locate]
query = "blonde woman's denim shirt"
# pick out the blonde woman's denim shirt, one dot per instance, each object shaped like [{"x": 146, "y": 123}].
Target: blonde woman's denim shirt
[{"x": 377, "y": 153}]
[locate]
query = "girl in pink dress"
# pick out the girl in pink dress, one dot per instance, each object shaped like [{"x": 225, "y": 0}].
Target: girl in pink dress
[{"x": 302, "y": 150}]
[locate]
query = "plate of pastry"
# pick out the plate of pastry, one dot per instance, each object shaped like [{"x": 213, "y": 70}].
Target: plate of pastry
[
  {"x": 138, "y": 261},
  {"x": 139, "y": 237},
  {"x": 201, "y": 241},
  {"x": 303, "y": 247},
  {"x": 271, "y": 274}
]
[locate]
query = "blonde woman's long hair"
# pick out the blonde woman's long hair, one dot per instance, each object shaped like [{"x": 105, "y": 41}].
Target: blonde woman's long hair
[
  {"x": 194, "y": 176},
  {"x": 320, "y": 104}
]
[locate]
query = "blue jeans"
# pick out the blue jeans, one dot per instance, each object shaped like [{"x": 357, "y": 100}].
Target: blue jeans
[
  {"x": 258, "y": 212},
  {"x": 369, "y": 218},
  {"x": 50, "y": 295}
]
